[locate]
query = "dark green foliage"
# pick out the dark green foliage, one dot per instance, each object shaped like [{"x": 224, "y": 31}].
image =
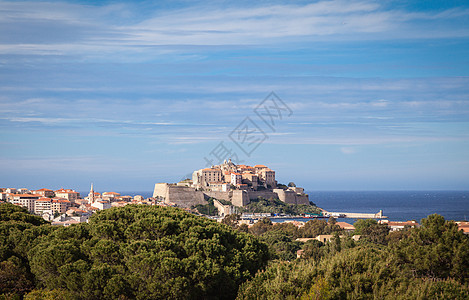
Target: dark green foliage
[
  {"x": 14, "y": 278},
  {"x": 280, "y": 237},
  {"x": 359, "y": 273},
  {"x": 143, "y": 252},
  {"x": 276, "y": 206},
  {"x": 261, "y": 226},
  {"x": 376, "y": 233},
  {"x": 436, "y": 250},
  {"x": 313, "y": 250},
  {"x": 224, "y": 202},
  {"x": 316, "y": 227},
  {"x": 362, "y": 224},
  {"x": 282, "y": 186},
  {"x": 10, "y": 212},
  {"x": 49, "y": 295},
  {"x": 373, "y": 232},
  {"x": 147, "y": 252},
  {"x": 19, "y": 231},
  {"x": 431, "y": 262},
  {"x": 231, "y": 220},
  {"x": 208, "y": 209},
  {"x": 281, "y": 245}
]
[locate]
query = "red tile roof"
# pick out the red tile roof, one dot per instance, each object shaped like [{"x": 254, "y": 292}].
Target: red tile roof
[
  {"x": 397, "y": 223},
  {"x": 44, "y": 200},
  {"x": 464, "y": 226},
  {"x": 66, "y": 191},
  {"x": 26, "y": 195},
  {"x": 345, "y": 225},
  {"x": 60, "y": 201}
]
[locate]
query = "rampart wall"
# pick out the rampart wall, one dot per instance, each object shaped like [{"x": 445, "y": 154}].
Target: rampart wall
[{"x": 187, "y": 196}]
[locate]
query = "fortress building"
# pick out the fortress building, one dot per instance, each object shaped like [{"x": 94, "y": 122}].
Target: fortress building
[
  {"x": 237, "y": 176},
  {"x": 238, "y": 184}
]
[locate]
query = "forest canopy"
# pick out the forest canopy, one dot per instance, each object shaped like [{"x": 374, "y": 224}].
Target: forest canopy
[
  {"x": 145, "y": 252},
  {"x": 134, "y": 252}
]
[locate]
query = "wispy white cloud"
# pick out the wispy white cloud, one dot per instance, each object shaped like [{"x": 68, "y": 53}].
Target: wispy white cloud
[
  {"x": 94, "y": 30},
  {"x": 348, "y": 150},
  {"x": 75, "y": 163}
]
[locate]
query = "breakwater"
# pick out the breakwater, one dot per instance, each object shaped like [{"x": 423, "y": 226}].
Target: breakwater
[{"x": 378, "y": 215}]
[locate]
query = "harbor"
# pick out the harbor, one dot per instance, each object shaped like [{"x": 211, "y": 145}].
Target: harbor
[{"x": 323, "y": 214}]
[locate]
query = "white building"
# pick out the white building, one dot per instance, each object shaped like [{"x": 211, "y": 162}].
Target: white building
[
  {"x": 26, "y": 200},
  {"x": 11, "y": 191},
  {"x": 41, "y": 205},
  {"x": 68, "y": 194},
  {"x": 101, "y": 204},
  {"x": 203, "y": 177}
]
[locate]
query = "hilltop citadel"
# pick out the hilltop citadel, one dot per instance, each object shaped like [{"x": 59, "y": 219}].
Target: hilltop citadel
[{"x": 237, "y": 184}]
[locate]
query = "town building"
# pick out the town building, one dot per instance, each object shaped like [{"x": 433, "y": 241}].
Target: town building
[
  {"x": 27, "y": 201},
  {"x": 138, "y": 198},
  {"x": 129, "y": 198},
  {"x": 345, "y": 226},
  {"x": 11, "y": 191},
  {"x": 464, "y": 227},
  {"x": 397, "y": 225},
  {"x": 68, "y": 194},
  {"x": 44, "y": 193},
  {"x": 102, "y": 204},
  {"x": 203, "y": 177},
  {"x": 111, "y": 196},
  {"x": 236, "y": 179},
  {"x": 41, "y": 205},
  {"x": 120, "y": 203},
  {"x": 60, "y": 205},
  {"x": 241, "y": 177},
  {"x": 219, "y": 186},
  {"x": 23, "y": 191},
  {"x": 64, "y": 220},
  {"x": 324, "y": 238}
]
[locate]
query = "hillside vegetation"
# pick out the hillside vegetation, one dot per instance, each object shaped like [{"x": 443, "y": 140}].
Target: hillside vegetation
[
  {"x": 144, "y": 252},
  {"x": 134, "y": 252}
]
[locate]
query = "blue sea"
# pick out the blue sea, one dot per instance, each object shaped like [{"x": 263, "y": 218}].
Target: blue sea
[{"x": 396, "y": 205}]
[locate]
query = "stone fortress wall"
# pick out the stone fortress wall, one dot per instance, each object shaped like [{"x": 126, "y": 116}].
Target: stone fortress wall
[{"x": 184, "y": 196}]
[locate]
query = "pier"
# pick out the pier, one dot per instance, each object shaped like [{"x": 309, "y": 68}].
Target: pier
[
  {"x": 378, "y": 215},
  {"x": 323, "y": 214}
]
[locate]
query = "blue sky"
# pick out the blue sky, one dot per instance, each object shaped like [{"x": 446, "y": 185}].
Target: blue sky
[{"x": 127, "y": 94}]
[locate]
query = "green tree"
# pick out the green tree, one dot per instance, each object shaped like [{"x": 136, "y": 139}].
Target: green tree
[
  {"x": 19, "y": 231},
  {"x": 375, "y": 233},
  {"x": 281, "y": 245},
  {"x": 146, "y": 252},
  {"x": 313, "y": 250},
  {"x": 231, "y": 220},
  {"x": 315, "y": 227},
  {"x": 362, "y": 224},
  {"x": 261, "y": 226},
  {"x": 437, "y": 249},
  {"x": 336, "y": 243}
]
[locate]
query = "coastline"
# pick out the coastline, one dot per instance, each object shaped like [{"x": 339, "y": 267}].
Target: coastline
[{"x": 396, "y": 205}]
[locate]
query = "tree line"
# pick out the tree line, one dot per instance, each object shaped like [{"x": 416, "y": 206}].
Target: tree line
[
  {"x": 144, "y": 252},
  {"x": 133, "y": 252}
]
